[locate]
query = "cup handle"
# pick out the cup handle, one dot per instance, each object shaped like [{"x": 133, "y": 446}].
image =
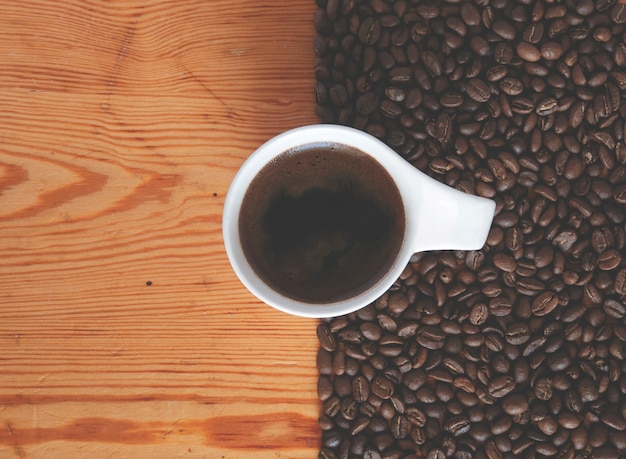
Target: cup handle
[{"x": 449, "y": 219}]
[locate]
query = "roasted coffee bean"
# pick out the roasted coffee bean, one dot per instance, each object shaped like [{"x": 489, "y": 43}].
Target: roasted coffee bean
[
  {"x": 451, "y": 99},
  {"x": 528, "y": 52},
  {"x": 614, "y": 420},
  {"x": 511, "y": 86},
  {"x": 529, "y": 286},
  {"x": 470, "y": 14},
  {"x": 618, "y": 13},
  {"x": 515, "y": 404},
  {"x": 620, "y": 282},
  {"x": 588, "y": 390},
  {"x": 399, "y": 426},
  {"x": 522, "y": 105},
  {"x": 496, "y": 73},
  {"x": 551, "y": 51},
  {"x": 501, "y": 386},
  {"x": 479, "y": 314},
  {"x": 382, "y": 387},
  {"x": 457, "y": 425},
  {"x": 517, "y": 333},
  {"x": 547, "y": 107},
  {"x": 324, "y": 388},
  {"x": 504, "y": 262},
  {"x": 544, "y": 303},
  {"x": 533, "y": 33},
  {"x": 431, "y": 337},
  {"x": 367, "y": 103},
  {"x": 360, "y": 389},
  {"x": 326, "y": 338},
  {"x": 500, "y": 306},
  {"x": 370, "y": 30},
  {"x": 477, "y": 90},
  {"x": 609, "y": 259}
]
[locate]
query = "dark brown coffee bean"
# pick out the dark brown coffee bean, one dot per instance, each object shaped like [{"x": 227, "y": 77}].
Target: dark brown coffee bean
[
  {"x": 436, "y": 453},
  {"x": 546, "y": 107},
  {"x": 529, "y": 286},
  {"x": 395, "y": 94},
  {"x": 602, "y": 239},
  {"x": 500, "y": 306},
  {"x": 479, "y": 314},
  {"x": 443, "y": 130},
  {"x": 504, "y": 262},
  {"x": 324, "y": 362},
  {"x": 573, "y": 168},
  {"x": 522, "y": 105},
  {"x": 551, "y": 51},
  {"x": 504, "y": 29},
  {"x": 477, "y": 90},
  {"x": 470, "y": 14},
  {"x": 324, "y": 388},
  {"x": 543, "y": 388},
  {"x": 426, "y": 395},
  {"x": 588, "y": 390},
  {"x": 517, "y": 333},
  {"x": 544, "y": 256},
  {"x": 614, "y": 420},
  {"x": 400, "y": 75},
  {"x": 370, "y": 30},
  {"x": 492, "y": 289},
  {"x": 367, "y": 103},
  {"x": 350, "y": 335},
  {"x": 342, "y": 385},
  {"x": 431, "y": 337},
  {"x": 326, "y": 338},
  {"x": 399, "y": 426},
  {"x": 527, "y": 51},
  {"x": 618, "y": 13},
  {"x": 397, "y": 303},
  {"x": 390, "y": 109},
  {"x": 544, "y": 303},
  {"x": 496, "y": 73},
  {"x": 565, "y": 239},
  {"x": 360, "y": 389},
  {"x": 619, "y": 55},
  {"x": 349, "y": 408},
  {"x": 620, "y": 282},
  {"x": 559, "y": 27},
  {"x": 382, "y": 387},
  {"x": 614, "y": 308},
  {"x": 501, "y": 386},
  {"x": 511, "y": 86},
  {"x": 576, "y": 114},
  {"x": 533, "y": 33},
  {"x": 457, "y": 425},
  {"x": 515, "y": 404},
  {"x": 451, "y": 99},
  {"x": 432, "y": 63},
  {"x": 609, "y": 259}
]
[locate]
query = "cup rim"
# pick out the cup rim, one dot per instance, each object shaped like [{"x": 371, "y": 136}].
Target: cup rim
[{"x": 258, "y": 159}]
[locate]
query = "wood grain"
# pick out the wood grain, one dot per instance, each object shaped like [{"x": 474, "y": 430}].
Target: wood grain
[{"x": 122, "y": 124}]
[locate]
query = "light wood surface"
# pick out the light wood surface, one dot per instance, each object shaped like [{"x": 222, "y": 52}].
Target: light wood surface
[{"x": 122, "y": 124}]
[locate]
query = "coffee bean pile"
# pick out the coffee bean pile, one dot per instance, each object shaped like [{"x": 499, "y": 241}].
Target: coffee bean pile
[{"x": 516, "y": 350}]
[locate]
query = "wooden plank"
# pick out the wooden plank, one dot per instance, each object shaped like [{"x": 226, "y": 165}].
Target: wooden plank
[{"x": 121, "y": 126}]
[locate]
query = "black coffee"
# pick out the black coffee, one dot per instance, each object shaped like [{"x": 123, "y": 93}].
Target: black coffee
[{"x": 322, "y": 223}]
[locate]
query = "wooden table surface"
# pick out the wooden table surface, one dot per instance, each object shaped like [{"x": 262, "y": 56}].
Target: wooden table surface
[{"x": 124, "y": 332}]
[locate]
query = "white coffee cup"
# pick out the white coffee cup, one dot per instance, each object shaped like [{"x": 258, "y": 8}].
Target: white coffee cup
[{"x": 437, "y": 217}]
